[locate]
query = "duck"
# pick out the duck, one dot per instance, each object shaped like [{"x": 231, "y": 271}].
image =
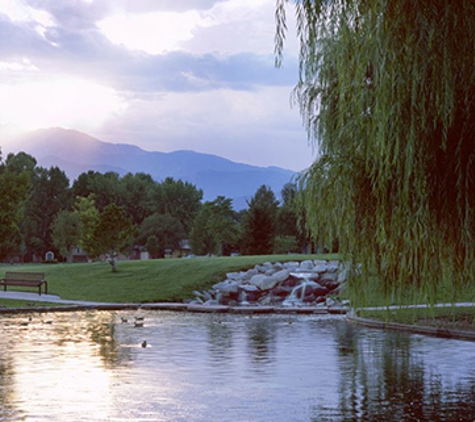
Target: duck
[
  {"x": 138, "y": 323},
  {"x": 144, "y": 343}
]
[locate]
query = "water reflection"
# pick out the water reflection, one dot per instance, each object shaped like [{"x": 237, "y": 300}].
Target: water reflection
[
  {"x": 91, "y": 366},
  {"x": 393, "y": 377}
]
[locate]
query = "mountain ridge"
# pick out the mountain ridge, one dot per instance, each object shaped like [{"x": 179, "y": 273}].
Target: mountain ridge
[{"x": 76, "y": 152}]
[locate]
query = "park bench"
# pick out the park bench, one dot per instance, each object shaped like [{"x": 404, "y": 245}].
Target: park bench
[{"x": 27, "y": 279}]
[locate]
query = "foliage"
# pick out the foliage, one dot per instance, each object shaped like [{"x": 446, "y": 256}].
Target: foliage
[
  {"x": 291, "y": 219},
  {"x": 259, "y": 223},
  {"x": 386, "y": 90},
  {"x": 66, "y": 232},
  {"x": 167, "y": 230},
  {"x": 48, "y": 196},
  {"x": 137, "y": 192},
  {"x": 178, "y": 198},
  {"x": 106, "y": 188},
  {"x": 114, "y": 231},
  {"x": 153, "y": 247},
  {"x": 88, "y": 215},
  {"x": 215, "y": 229},
  {"x": 285, "y": 244},
  {"x": 14, "y": 187}
]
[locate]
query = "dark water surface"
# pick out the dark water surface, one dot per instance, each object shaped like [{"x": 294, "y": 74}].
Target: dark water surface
[{"x": 90, "y": 366}]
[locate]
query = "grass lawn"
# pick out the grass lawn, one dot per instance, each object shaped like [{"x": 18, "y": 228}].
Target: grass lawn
[{"x": 161, "y": 280}]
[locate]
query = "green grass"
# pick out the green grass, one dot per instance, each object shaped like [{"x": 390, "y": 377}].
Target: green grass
[
  {"x": 13, "y": 304},
  {"x": 162, "y": 280}
]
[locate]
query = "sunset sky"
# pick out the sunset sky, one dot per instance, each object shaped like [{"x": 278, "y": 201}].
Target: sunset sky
[{"x": 164, "y": 75}]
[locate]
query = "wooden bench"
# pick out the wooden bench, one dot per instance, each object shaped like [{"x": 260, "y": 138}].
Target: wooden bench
[{"x": 29, "y": 279}]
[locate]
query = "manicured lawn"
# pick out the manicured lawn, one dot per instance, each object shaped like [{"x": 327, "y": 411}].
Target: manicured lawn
[{"x": 161, "y": 280}]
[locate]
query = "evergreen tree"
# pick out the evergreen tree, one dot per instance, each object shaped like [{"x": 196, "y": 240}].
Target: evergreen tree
[{"x": 259, "y": 223}]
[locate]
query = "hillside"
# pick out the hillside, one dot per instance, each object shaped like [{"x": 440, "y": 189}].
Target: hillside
[{"x": 76, "y": 152}]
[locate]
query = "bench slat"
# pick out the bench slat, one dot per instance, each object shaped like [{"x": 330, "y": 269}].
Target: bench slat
[{"x": 27, "y": 279}]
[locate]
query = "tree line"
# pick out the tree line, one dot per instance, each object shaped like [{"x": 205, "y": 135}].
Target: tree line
[{"x": 104, "y": 213}]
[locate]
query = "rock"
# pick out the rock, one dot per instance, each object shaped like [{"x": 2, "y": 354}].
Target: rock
[
  {"x": 249, "y": 274},
  {"x": 322, "y": 268},
  {"x": 263, "y": 281},
  {"x": 318, "y": 262},
  {"x": 306, "y": 265},
  {"x": 333, "y": 267},
  {"x": 234, "y": 276},
  {"x": 281, "y": 290},
  {"x": 343, "y": 276},
  {"x": 226, "y": 287},
  {"x": 281, "y": 276},
  {"x": 250, "y": 288}
]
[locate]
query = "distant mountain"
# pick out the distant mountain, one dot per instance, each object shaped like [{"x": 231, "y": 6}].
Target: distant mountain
[{"x": 75, "y": 153}]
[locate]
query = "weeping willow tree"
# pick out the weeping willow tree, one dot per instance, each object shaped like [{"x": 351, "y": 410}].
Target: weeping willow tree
[{"x": 387, "y": 92}]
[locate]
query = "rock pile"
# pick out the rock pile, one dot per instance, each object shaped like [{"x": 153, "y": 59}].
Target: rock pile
[{"x": 306, "y": 283}]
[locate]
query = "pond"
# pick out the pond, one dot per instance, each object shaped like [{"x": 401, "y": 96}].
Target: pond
[{"x": 92, "y": 366}]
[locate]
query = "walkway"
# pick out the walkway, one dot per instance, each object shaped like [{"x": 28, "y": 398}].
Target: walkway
[{"x": 35, "y": 297}]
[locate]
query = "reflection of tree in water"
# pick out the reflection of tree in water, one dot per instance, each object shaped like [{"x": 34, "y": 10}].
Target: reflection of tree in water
[
  {"x": 387, "y": 381},
  {"x": 7, "y": 390},
  {"x": 261, "y": 339},
  {"x": 220, "y": 338},
  {"x": 102, "y": 332},
  {"x": 96, "y": 327}
]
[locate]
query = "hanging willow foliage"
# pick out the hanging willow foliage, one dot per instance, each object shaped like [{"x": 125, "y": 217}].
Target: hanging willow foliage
[{"x": 387, "y": 92}]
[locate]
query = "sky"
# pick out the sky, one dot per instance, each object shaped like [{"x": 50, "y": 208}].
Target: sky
[{"x": 164, "y": 75}]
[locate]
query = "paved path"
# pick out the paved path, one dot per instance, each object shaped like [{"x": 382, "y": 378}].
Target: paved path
[{"x": 35, "y": 297}]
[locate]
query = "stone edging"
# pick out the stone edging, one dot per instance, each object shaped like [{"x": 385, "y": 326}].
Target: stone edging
[
  {"x": 414, "y": 329},
  {"x": 183, "y": 307}
]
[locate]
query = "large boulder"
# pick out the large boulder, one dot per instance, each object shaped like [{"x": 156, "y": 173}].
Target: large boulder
[
  {"x": 226, "y": 287},
  {"x": 264, "y": 282}
]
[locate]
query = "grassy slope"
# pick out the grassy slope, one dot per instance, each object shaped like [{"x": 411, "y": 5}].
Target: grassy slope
[{"x": 163, "y": 280}]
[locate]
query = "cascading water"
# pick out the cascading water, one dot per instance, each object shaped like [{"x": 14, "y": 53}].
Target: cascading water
[{"x": 294, "y": 298}]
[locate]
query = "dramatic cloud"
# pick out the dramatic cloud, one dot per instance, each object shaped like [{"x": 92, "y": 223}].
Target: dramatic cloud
[{"x": 164, "y": 75}]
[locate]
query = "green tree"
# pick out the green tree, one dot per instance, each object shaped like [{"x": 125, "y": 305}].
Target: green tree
[
  {"x": 113, "y": 233},
  {"x": 88, "y": 215},
  {"x": 66, "y": 232},
  {"x": 215, "y": 229},
  {"x": 291, "y": 221},
  {"x": 49, "y": 195},
  {"x": 259, "y": 223},
  {"x": 14, "y": 188},
  {"x": 153, "y": 247},
  {"x": 106, "y": 188},
  {"x": 285, "y": 244},
  {"x": 167, "y": 229},
  {"x": 386, "y": 90},
  {"x": 136, "y": 195},
  {"x": 178, "y": 198}
]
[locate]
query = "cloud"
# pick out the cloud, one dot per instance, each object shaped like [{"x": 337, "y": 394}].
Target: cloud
[
  {"x": 153, "y": 33},
  {"x": 67, "y": 102},
  {"x": 257, "y": 127},
  {"x": 214, "y": 90}
]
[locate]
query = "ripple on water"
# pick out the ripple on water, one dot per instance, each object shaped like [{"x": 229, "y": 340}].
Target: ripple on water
[{"x": 204, "y": 367}]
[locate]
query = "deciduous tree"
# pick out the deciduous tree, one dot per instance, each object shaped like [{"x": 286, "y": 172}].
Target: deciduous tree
[{"x": 387, "y": 91}]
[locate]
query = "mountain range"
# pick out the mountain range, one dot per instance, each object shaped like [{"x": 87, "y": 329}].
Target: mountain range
[{"x": 76, "y": 152}]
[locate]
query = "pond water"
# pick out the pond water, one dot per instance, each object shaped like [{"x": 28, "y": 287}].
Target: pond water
[{"x": 91, "y": 366}]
